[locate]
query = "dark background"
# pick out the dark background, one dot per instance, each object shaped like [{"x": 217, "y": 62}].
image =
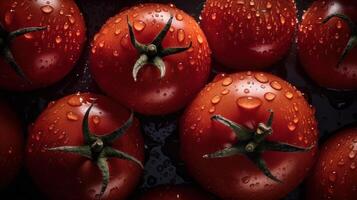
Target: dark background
[{"x": 334, "y": 110}]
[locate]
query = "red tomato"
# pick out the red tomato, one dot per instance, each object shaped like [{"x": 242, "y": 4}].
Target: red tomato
[
  {"x": 68, "y": 175},
  {"x": 174, "y": 192},
  {"x": 11, "y": 145},
  {"x": 44, "y": 56},
  {"x": 147, "y": 78},
  {"x": 334, "y": 176},
  {"x": 231, "y": 116},
  {"x": 246, "y": 34},
  {"x": 321, "y": 44}
]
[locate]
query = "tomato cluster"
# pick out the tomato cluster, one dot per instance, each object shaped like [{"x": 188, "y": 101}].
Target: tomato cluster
[{"x": 242, "y": 134}]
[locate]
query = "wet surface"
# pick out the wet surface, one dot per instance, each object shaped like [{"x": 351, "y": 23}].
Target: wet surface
[{"x": 334, "y": 110}]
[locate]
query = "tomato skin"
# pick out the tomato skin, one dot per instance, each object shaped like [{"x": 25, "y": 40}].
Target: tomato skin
[
  {"x": 334, "y": 176},
  {"x": 237, "y": 177},
  {"x": 44, "y": 56},
  {"x": 70, "y": 176},
  {"x": 249, "y": 34},
  {"x": 321, "y": 45},
  {"x": 169, "y": 192},
  {"x": 113, "y": 57},
  {"x": 11, "y": 145}
]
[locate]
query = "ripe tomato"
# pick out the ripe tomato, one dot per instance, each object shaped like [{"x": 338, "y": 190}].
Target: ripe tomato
[
  {"x": 81, "y": 166},
  {"x": 245, "y": 34},
  {"x": 174, "y": 192},
  {"x": 334, "y": 176},
  {"x": 322, "y": 40},
  {"x": 255, "y": 115},
  {"x": 47, "y": 47},
  {"x": 11, "y": 145},
  {"x": 152, "y": 75}
]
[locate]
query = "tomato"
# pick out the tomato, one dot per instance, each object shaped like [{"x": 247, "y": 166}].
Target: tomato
[
  {"x": 334, "y": 175},
  {"x": 100, "y": 159},
  {"x": 246, "y": 34},
  {"x": 47, "y": 47},
  {"x": 11, "y": 145},
  {"x": 152, "y": 75},
  {"x": 322, "y": 41},
  {"x": 249, "y": 135},
  {"x": 169, "y": 192}
]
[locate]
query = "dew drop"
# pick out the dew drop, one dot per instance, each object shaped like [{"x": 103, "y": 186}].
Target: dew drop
[
  {"x": 353, "y": 165},
  {"x": 246, "y": 179},
  {"x": 179, "y": 17},
  {"x": 96, "y": 119},
  {"x": 8, "y": 17},
  {"x": 225, "y": 92},
  {"x": 66, "y": 26},
  {"x": 269, "y": 96},
  {"x": 139, "y": 25},
  {"x": 291, "y": 126},
  {"x": 352, "y": 154},
  {"x": 289, "y": 95},
  {"x": 333, "y": 176},
  {"x": 246, "y": 91},
  {"x": 71, "y": 116},
  {"x": 180, "y": 35},
  {"x": 115, "y": 53},
  {"x": 216, "y": 99},
  {"x": 339, "y": 24},
  {"x": 199, "y": 39},
  {"x": 180, "y": 66},
  {"x": 261, "y": 78},
  {"x": 213, "y": 16},
  {"x": 249, "y": 102},
  {"x": 212, "y": 109},
  {"x": 28, "y": 36},
  {"x": 75, "y": 101},
  {"x": 58, "y": 39},
  {"x": 71, "y": 19},
  {"x": 47, "y": 9},
  {"x": 269, "y": 5},
  {"x": 275, "y": 85},
  {"x": 227, "y": 81}
]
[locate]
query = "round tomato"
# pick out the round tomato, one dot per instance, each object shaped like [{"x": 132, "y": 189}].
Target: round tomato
[
  {"x": 326, "y": 43},
  {"x": 245, "y": 34},
  {"x": 249, "y": 136},
  {"x": 11, "y": 145},
  {"x": 158, "y": 66},
  {"x": 334, "y": 176},
  {"x": 40, "y": 41},
  {"x": 174, "y": 192},
  {"x": 85, "y": 146}
]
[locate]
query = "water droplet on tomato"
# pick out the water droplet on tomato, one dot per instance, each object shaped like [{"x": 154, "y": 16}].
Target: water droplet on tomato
[
  {"x": 213, "y": 16},
  {"x": 125, "y": 41},
  {"x": 275, "y": 85},
  {"x": 268, "y": 5},
  {"x": 199, "y": 39},
  {"x": 249, "y": 102},
  {"x": 47, "y": 9},
  {"x": 227, "y": 81},
  {"x": 289, "y": 95},
  {"x": 261, "y": 78},
  {"x": 28, "y": 36},
  {"x": 71, "y": 19},
  {"x": 246, "y": 179},
  {"x": 352, "y": 154},
  {"x": 269, "y": 96},
  {"x": 251, "y": 3},
  {"x": 212, "y": 109},
  {"x": 72, "y": 116},
  {"x": 246, "y": 91},
  {"x": 339, "y": 24},
  {"x": 8, "y": 17},
  {"x": 225, "y": 92},
  {"x": 180, "y": 66},
  {"x": 96, "y": 119},
  {"x": 117, "y": 31},
  {"x": 240, "y": 2},
  {"x": 353, "y": 165},
  {"x": 58, "y": 39},
  {"x": 215, "y": 99},
  {"x": 282, "y": 19},
  {"x": 180, "y": 35},
  {"x": 333, "y": 176},
  {"x": 115, "y": 53},
  {"x": 291, "y": 126},
  {"x": 179, "y": 17},
  {"x": 66, "y": 26},
  {"x": 139, "y": 25}
]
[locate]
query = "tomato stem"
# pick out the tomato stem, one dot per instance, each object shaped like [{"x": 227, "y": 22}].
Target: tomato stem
[
  {"x": 352, "y": 42},
  {"x": 153, "y": 52},
  {"x": 253, "y": 143},
  {"x": 5, "y": 51},
  {"x": 98, "y": 148}
]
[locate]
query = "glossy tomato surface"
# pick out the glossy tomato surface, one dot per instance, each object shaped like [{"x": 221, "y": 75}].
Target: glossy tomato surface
[
  {"x": 321, "y": 44},
  {"x": 334, "y": 176},
  {"x": 113, "y": 57},
  {"x": 174, "y": 192},
  {"x": 11, "y": 145},
  {"x": 44, "y": 56},
  {"x": 245, "y": 98},
  {"x": 249, "y": 34},
  {"x": 70, "y": 176}
]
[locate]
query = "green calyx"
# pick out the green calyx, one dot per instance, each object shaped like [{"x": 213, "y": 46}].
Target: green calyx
[
  {"x": 253, "y": 143},
  {"x": 98, "y": 148},
  {"x": 154, "y": 52},
  {"x": 5, "y": 51},
  {"x": 352, "y": 42}
]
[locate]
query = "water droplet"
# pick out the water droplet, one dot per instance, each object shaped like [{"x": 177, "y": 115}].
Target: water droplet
[
  {"x": 101, "y": 44},
  {"x": 352, "y": 154},
  {"x": 125, "y": 41},
  {"x": 28, "y": 36},
  {"x": 269, "y": 5},
  {"x": 75, "y": 101},
  {"x": 71, "y": 116},
  {"x": 339, "y": 24},
  {"x": 199, "y": 39},
  {"x": 333, "y": 176},
  {"x": 227, "y": 81},
  {"x": 296, "y": 120},
  {"x": 246, "y": 179},
  {"x": 58, "y": 39},
  {"x": 240, "y": 2},
  {"x": 96, "y": 119},
  {"x": 71, "y": 19},
  {"x": 47, "y": 9},
  {"x": 275, "y": 85},
  {"x": 282, "y": 19},
  {"x": 291, "y": 126},
  {"x": 251, "y": 3},
  {"x": 353, "y": 165},
  {"x": 180, "y": 66},
  {"x": 8, "y": 17},
  {"x": 212, "y": 109},
  {"x": 341, "y": 162},
  {"x": 215, "y": 99},
  {"x": 66, "y": 26},
  {"x": 139, "y": 25},
  {"x": 269, "y": 96},
  {"x": 225, "y": 92},
  {"x": 213, "y": 16},
  {"x": 180, "y": 35},
  {"x": 246, "y": 91},
  {"x": 249, "y": 102},
  {"x": 179, "y": 17},
  {"x": 261, "y": 78},
  {"x": 289, "y": 95}
]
